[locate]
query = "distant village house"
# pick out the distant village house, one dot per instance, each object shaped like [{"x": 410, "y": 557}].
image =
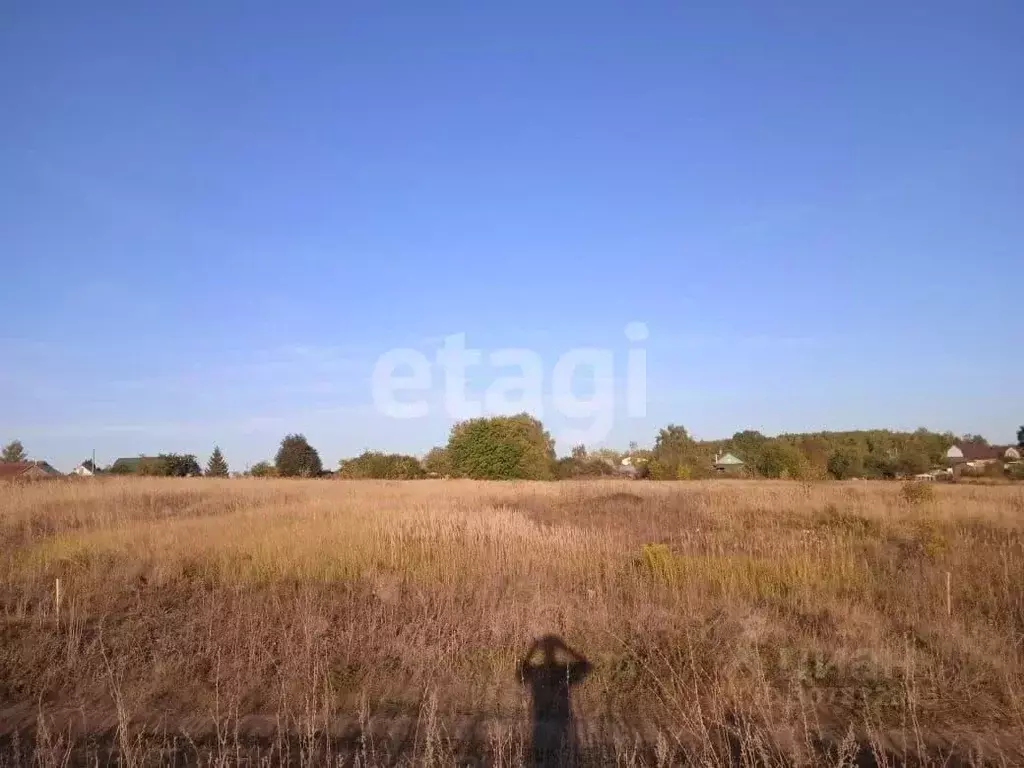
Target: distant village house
[
  {"x": 727, "y": 463},
  {"x": 26, "y": 470},
  {"x": 976, "y": 456},
  {"x": 136, "y": 465}
]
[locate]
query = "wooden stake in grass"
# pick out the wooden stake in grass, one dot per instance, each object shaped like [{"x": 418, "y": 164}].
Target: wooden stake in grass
[
  {"x": 56, "y": 597},
  {"x": 949, "y": 596}
]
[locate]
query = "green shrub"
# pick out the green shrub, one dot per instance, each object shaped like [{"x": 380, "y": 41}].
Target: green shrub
[
  {"x": 297, "y": 458},
  {"x": 374, "y": 465},
  {"x": 570, "y": 467},
  {"x": 502, "y": 448},
  {"x": 845, "y": 463}
]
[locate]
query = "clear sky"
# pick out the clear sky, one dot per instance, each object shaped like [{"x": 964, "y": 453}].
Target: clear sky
[{"x": 216, "y": 216}]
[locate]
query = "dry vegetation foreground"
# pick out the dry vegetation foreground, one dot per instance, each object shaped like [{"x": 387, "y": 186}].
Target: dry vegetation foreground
[{"x": 370, "y": 623}]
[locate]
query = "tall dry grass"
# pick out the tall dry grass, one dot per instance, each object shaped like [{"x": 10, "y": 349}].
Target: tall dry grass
[{"x": 308, "y": 622}]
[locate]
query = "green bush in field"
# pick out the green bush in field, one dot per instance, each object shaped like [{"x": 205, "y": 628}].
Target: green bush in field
[
  {"x": 845, "y": 463},
  {"x": 781, "y": 459},
  {"x": 297, "y": 458},
  {"x": 381, "y": 466},
  {"x": 502, "y": 448},
  {"x": 436, "y": 462}
]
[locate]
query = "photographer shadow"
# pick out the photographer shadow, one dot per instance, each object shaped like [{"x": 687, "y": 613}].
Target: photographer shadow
[{"x": 551, "y": 668}]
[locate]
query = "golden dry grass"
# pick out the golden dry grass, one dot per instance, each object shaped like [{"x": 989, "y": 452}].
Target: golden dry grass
[{"x": 274, "y": 621}]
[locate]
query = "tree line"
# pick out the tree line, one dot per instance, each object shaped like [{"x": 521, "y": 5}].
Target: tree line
[{"x": 519, "y": 448}]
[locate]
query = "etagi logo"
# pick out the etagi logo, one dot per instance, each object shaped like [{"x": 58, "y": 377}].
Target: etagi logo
[{"x": 409, "y": 371}]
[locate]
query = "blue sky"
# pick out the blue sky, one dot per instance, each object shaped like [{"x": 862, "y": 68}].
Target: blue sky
[{"x": 215, "y": 217}]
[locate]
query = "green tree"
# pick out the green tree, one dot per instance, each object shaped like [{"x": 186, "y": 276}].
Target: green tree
[
  {"x": 747, "y": 445},
  {"x": 880, "y": 467},
  {"x": 673, "y": 438},
  {"x": 913, "y": 461},
  {"x": 216, "y": 466},
  {"x": 677, "y": 456},
  {"x": 262, "y": 469},
  {"x": 381, "y": 466},
  {"x": 502, "y": 448},
  {"x": 569, "y": 467},
  {"x": 297, "y": 458},
  {"x": 180, "y": 465},
  {"x": 608, "y": 453},
  {"x": 1020, "y": 436},
  {"x": 845, "y": 463},
  {"x": 781, "y": 459},
  {"x": 436, "y": 462},
  {"x": 14, "y": 451}
]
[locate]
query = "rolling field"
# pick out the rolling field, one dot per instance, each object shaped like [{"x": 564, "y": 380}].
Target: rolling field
[{"x": 267, "y": 622}]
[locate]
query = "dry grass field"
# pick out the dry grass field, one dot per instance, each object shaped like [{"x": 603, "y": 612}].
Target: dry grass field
[{"x": 267, "y": 622}]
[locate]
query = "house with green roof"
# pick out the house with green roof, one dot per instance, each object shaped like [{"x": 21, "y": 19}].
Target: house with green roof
[
  {"x": 137, "y": 465},
  {"x": 728, "y": 463}
]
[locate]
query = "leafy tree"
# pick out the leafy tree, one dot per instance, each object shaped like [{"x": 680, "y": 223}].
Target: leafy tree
[
  {"x": 880, "y": 466},
  {"x": 436, "y": 462},
  {"x": 677, "y": 456},
  {"x": 502, "y": 448},
  {"x": 781, "y": 459},
  {"x": 14, "y": 451},
  {"x": 975, "y": 439},
  {"x": 673, "y": 438},
  {"x": 262, "y": 469},
  {"x": 845, "y": 463},
  {"x": 609, "y": 454},
  {"x": 747, "y": 445},
  {"x": 381, "y": 466},
  {"x": 216, "y": 466},
  {"x": 180, "y": 465},
  {"x": 913, "y": 461},
  {"x": 297, "y": 458},
  {"x": 570, "y": 467},
  {"x": 1020, "y": 436},
  {"x": 816, "y": 450},
  {"x": 579, "y": 451}
]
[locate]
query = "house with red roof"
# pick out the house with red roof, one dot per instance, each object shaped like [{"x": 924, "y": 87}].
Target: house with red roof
[{"x": 26, "y": 470}]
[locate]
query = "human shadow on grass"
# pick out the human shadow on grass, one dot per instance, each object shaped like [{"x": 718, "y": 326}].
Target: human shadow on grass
[{"x": 551, "y": 668}]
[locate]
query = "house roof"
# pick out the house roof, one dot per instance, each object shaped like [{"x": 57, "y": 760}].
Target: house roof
[
  {"x": 10, "y": 469},
  {"x": 14, "y": 468},
  {"x": 728, "y": 460},
  {"x": 977, "y": 452},
  {"x": 133, "y": 463}
]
